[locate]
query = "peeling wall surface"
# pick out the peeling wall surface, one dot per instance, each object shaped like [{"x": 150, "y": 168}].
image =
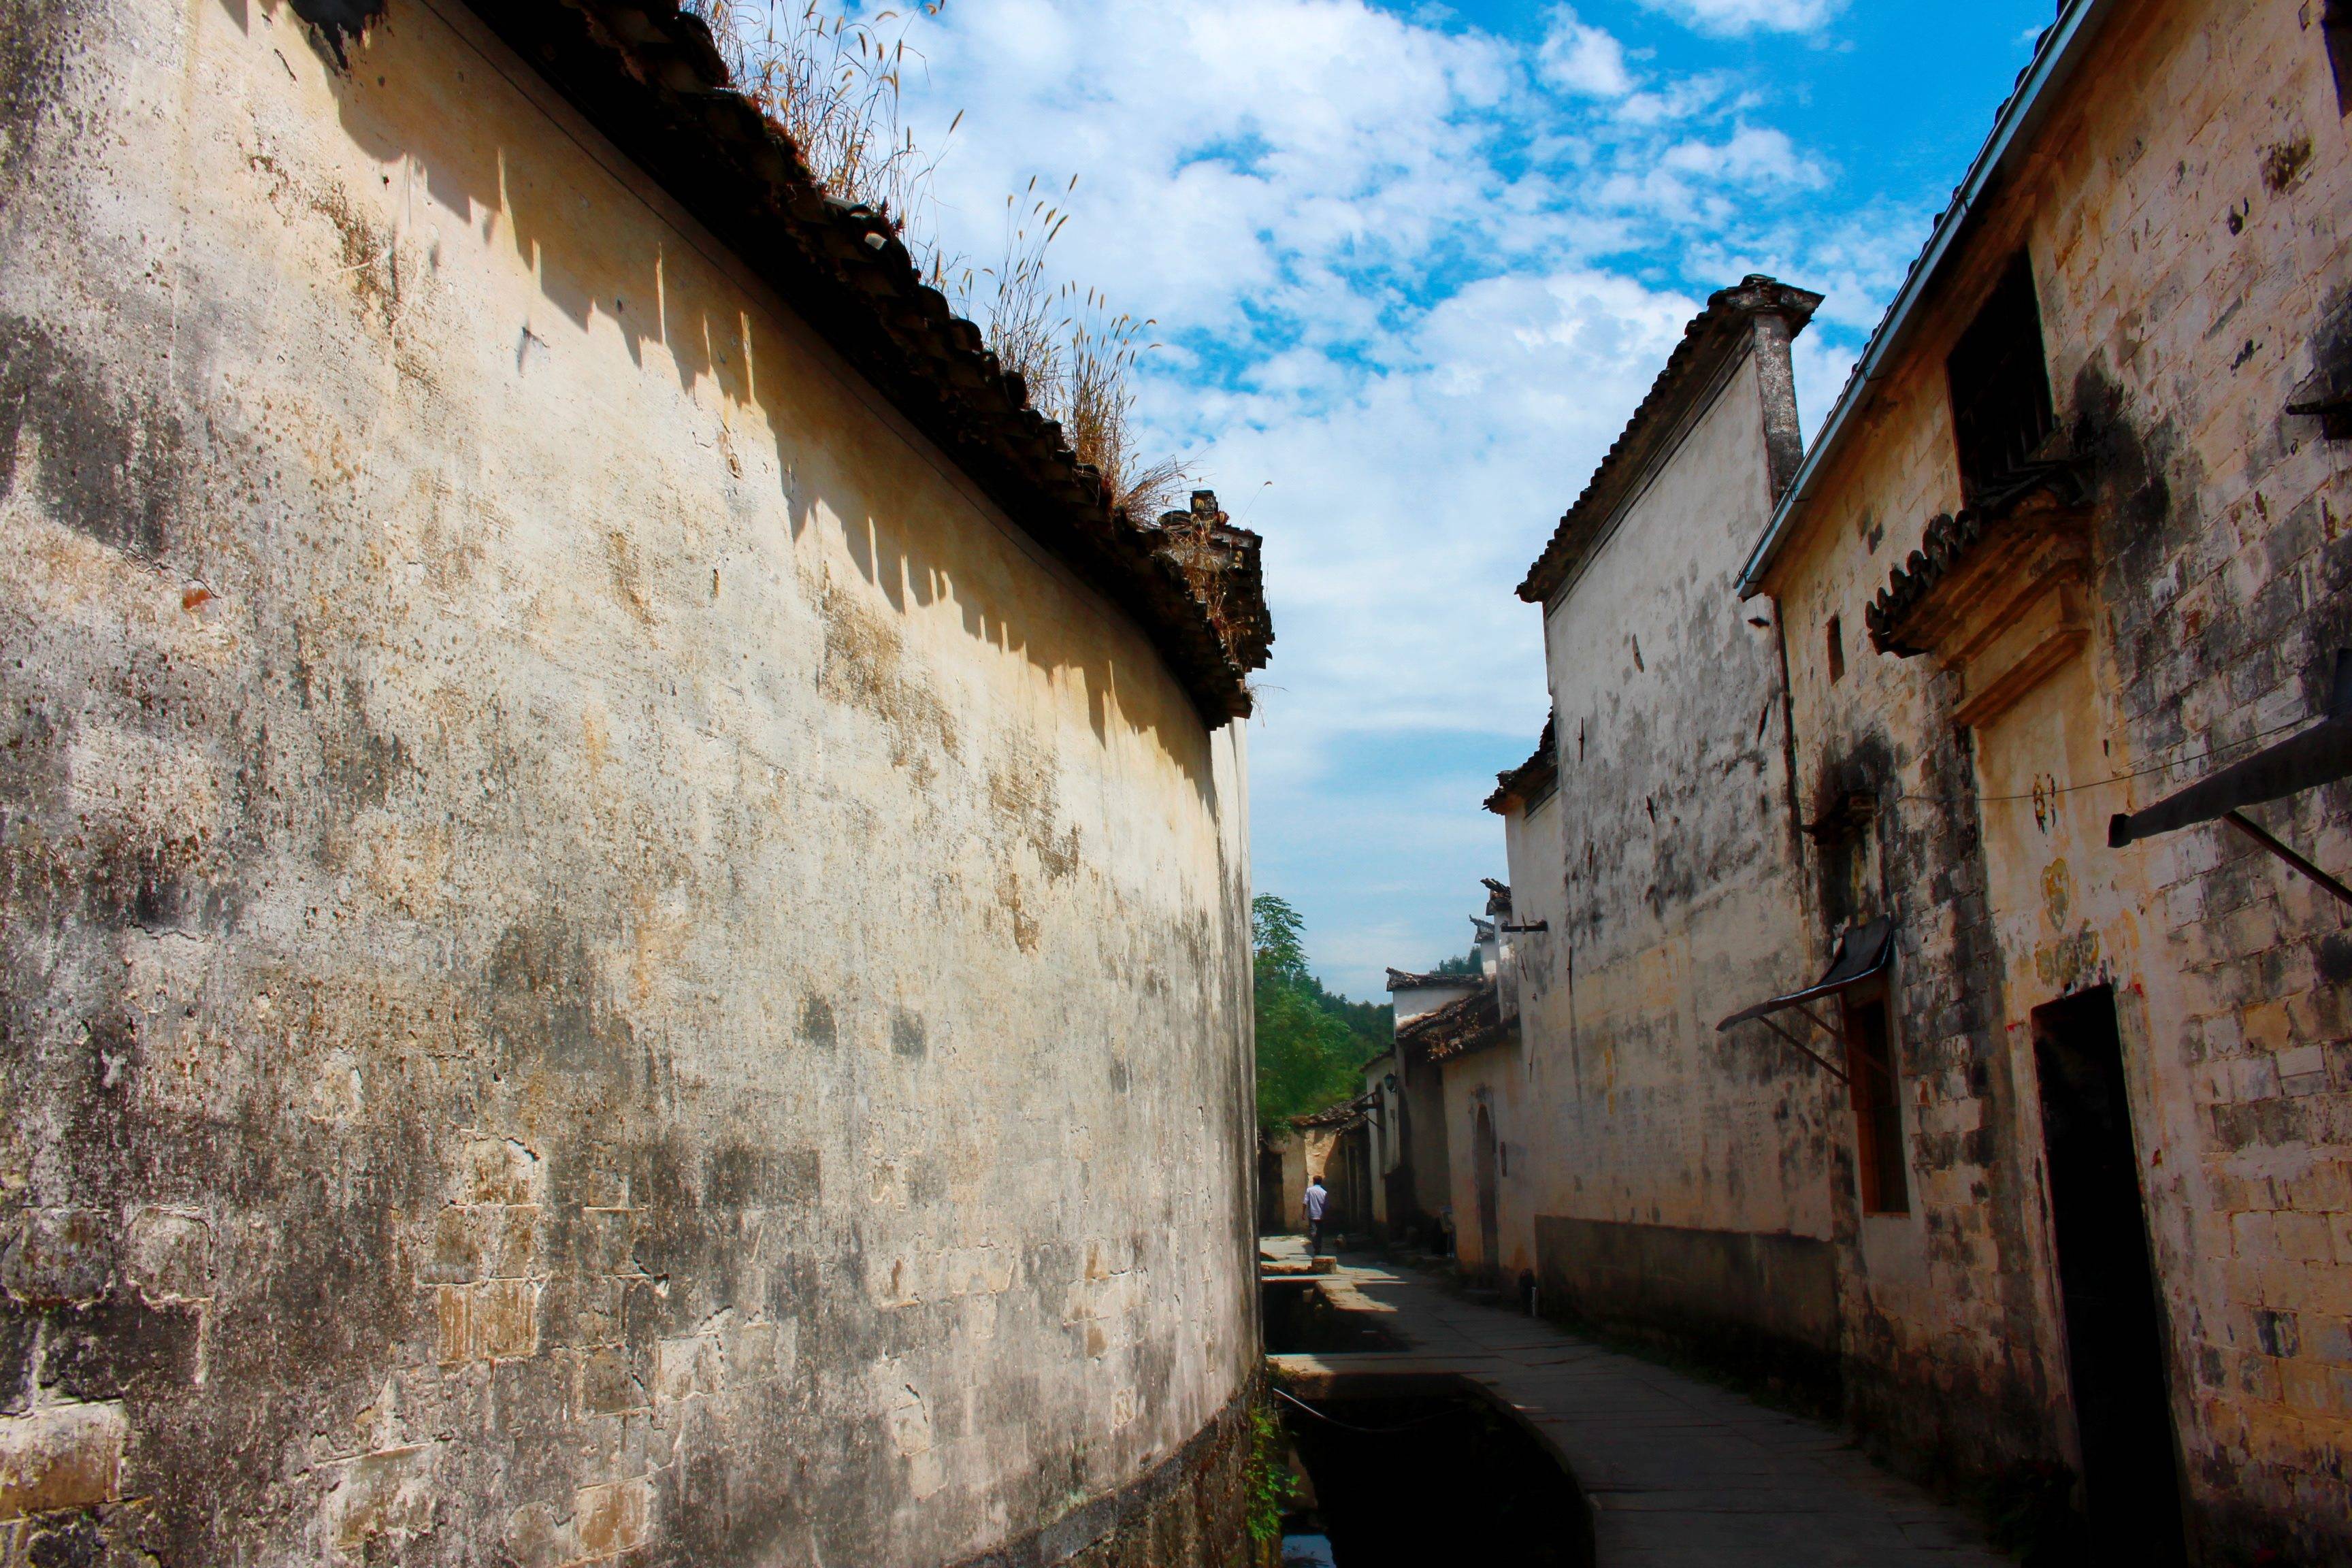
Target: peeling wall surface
[
  {"x": 599, "y": 960},
  {"x": 1666, "y": 871},
  {"x": 1424, "y": 1149},
  {"x": 2182, "y": 215},
  {"x": 1489, "y": 1082}
]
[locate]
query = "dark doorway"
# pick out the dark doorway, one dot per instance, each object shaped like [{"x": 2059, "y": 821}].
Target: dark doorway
[
  {"x": 1271, "y": 1191},
  {"x": 1483, "y": 1162},
  {"x": 1357, "y": 1147},
  {"x": 2114, "y": 1333}
]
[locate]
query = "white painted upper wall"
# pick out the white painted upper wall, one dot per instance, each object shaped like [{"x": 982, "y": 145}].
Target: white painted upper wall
[
  {"x": 684, "y": 988},
  {"x": 1666, "y": 870}
]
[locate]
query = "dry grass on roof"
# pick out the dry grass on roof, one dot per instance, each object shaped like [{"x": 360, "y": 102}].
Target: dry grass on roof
[{"x": 835, "y": 86}]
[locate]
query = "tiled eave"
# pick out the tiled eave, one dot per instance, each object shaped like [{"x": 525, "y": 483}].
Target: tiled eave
[
  {"x": 1999, "y": 595},
  {"x": 1400, "y": 980},
  {"x": 1962, "y": 555},
  {"x": 650, "y": 78},
  {"x": 1474, "y": 1023},
  {"x": 1710, "y": 344},
  {"x": 1531, "y": 780},
  {"x": 1336, "y": 1118}
]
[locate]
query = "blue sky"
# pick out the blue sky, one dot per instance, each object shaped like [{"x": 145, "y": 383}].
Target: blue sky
[{"x": 1412, "y": 267}]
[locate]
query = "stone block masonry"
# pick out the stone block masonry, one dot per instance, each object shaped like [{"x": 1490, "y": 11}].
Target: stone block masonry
[
  {"x": 2175, "y": 220},
  {"x": 56, "y": 1456}
]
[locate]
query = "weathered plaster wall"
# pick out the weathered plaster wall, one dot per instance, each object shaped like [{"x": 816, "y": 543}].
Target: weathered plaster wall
[
  {"x": 600, "y": 959},
  {"x": 1417, "y": 1001},
  {"x": 1669, "y": 880},
  {"x": 1955, "y": 1295},
  {"x": 1384, "y": 1145},
  {"x": 1492, "y": 1079},
  {"x": 1501, "y": 1078},
  {"x": 2183, "y": 221},
  {"x": 1426, "y": 1150}
]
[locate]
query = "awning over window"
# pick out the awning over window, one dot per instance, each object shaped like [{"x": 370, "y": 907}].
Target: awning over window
[{"x": 1863, "y": 952}]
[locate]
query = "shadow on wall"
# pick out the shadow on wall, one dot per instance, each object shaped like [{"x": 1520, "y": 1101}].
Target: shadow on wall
[
  {"x": 594, "y": 1221},
  {"x": 399, "y": 105}
]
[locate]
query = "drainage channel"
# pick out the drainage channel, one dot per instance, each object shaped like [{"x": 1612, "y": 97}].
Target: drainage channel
[{"x": 1410, "y": 1467}]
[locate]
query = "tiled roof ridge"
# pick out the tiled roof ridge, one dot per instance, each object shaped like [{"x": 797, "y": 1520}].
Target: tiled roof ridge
[
  {"x": 648, "y": 75},
  {"x": 1345, "y": 1113},
  {"x": 1437, "y": 1019},
  {"x": 1528, "y": 779},
  {"x": 1406, "y": 979},
  {"x": 1685, "y": 374},
  {"x": 1467, "y": 1024}
]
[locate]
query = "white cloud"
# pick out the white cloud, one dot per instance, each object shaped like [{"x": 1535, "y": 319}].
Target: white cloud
[
  {"x": 1739, "y": 16},
  {"x": 1418, "y": 275},
  {"x": 1578, "y": 58},
  {"x": 1750, "y": 156}
]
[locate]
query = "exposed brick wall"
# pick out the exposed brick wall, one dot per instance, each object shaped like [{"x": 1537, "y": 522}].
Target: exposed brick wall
[{"x": 2182, "y": 213}]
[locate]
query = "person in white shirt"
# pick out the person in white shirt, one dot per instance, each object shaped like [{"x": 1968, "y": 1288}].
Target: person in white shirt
[{"x": 1315, "y": 1200}]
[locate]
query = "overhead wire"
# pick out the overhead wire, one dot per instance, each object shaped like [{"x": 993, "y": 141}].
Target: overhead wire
[{"x": 2114, "y": 778}]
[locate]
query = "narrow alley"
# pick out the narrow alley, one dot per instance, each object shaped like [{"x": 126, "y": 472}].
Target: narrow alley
[
  {"x": 1678, "y": 1472},
  {"x": 662, "y": 904}
]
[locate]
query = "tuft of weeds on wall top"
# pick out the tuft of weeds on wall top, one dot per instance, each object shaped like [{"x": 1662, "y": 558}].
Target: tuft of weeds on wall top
[
  {"x": 1077, "y": 355},
  {"x": 835, "y": 86}
]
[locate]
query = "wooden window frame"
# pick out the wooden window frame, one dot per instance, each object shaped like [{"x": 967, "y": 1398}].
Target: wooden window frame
[
  {"x": 1998, "y": 379},
  {"x": 1874, "y": 1089}
]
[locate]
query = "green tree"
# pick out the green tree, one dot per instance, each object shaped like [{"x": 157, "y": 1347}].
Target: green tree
[{"x": 1311, "y": 1043}]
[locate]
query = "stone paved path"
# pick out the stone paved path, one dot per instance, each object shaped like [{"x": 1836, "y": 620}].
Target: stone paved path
[{"x": 1681, "y": 1473}]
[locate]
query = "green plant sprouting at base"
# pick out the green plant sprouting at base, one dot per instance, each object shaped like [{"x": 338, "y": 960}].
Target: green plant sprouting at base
[{"x": 1269, "y": 1482}]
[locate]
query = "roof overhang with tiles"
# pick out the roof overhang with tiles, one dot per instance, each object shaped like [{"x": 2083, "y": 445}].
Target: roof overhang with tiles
[
  {"x": 649, "y": 76},
  {"x": 1711, "y": 346}
]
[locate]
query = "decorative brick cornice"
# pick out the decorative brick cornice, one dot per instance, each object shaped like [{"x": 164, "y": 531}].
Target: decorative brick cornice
[{"x": 1900, "y": 620}]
